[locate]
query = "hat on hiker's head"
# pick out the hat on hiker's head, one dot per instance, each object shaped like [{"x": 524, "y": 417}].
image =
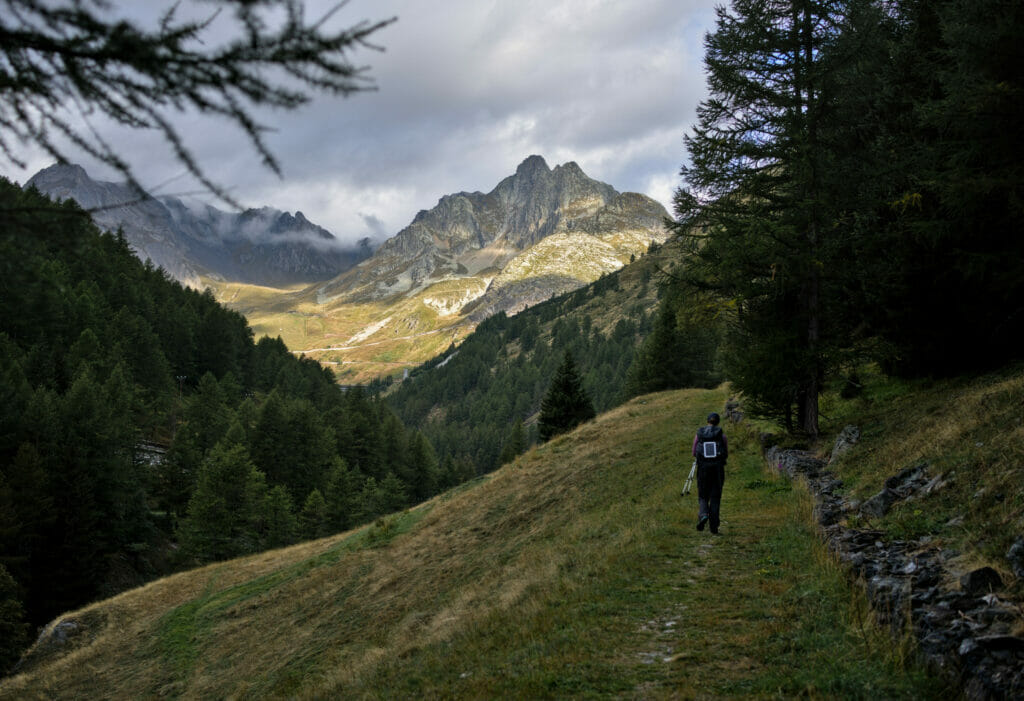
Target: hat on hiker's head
[{"x": 713, "y": 418}]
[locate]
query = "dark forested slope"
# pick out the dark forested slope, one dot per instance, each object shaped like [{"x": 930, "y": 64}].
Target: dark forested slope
[{"x": 137, "y": 415}]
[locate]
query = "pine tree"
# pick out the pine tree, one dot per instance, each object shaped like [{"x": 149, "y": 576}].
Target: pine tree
[
  {"x": 311, "y": 448},
  {"x": 394, "y": 495},
  {"x": 515, "y": 444},
  {"x": 279, "y": 522},
  {"x": 371, "y": 501},
  {"x": 271, "y": 444},
  {"x": 226, "y": 508},
  {"x": 421, "y": 466},
  {"x": 756, "y": 209},
  {"x": 980, "y": 186},
  {"x": 342, "y": 494},
  {"x": 566, "y": 404},
  {"x": 455, "y": 471},
  {"x": 940, "y": 254},
  {"x": 97, "y": 491},
  {"x": 86, "y": 352},
  {"x": 206, "y": 418},
  {"x": 313, "y": 519}
]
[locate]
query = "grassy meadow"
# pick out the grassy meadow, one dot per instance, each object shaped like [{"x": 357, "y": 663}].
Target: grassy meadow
[
  {"x": 357, "y": 341},
  {"x": 575, "y": 571}
]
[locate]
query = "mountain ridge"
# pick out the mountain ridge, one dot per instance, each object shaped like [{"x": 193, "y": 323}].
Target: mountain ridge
[
  {"x": 194, "y": 242},
  {"x": 469, "y": 234},
  {"x": 538, "y": 233}
]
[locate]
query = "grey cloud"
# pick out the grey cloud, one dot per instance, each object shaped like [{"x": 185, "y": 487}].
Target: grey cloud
[
  {"x": 466, "y": 90},
  {"x": 377, "y": 226}
]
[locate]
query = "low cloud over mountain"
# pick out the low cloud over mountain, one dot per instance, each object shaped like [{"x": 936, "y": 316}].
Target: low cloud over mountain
[{"x": 192, "y": 240}]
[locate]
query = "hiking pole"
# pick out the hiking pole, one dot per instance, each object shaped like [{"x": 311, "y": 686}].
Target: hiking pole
[{"x": 689, "y": 480}]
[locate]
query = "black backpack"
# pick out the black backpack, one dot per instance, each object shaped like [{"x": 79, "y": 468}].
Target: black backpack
[{"x": 710, "y": 446}]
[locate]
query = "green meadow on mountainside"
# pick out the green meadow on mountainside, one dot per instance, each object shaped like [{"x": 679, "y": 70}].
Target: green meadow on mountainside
[{"x": 573, "y": 571}]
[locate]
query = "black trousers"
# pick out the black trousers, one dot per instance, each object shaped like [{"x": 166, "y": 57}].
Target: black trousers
[{"x": 710, "y": 480}]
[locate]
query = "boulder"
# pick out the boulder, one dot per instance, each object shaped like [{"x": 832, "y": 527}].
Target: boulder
[
  {"x": 909, "y": 480},
  {"x": 879, "y": 505},
  {"x": 733, "y": 412},
  {"x": 979, "y": 582},
  {"x": 903, "y": 485},
  {"x": 1016, "y": 557},
  {"x": 795, "y": 462},
  {"x": 846, "y": 439}
]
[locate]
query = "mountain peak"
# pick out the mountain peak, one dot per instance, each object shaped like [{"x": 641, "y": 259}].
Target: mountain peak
[
  {"x": 476, "y": 235},
  {"x": 67, "y": 173},
  {"x": 70, "y": 168},
  {"x": 533, "y": 164}
]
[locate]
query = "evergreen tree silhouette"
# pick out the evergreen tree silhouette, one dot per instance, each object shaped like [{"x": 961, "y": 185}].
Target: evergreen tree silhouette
[{"x": 566, "y": 404}]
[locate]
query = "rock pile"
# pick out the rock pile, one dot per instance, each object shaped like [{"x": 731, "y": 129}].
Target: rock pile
[{"x": 965, "y": 633}]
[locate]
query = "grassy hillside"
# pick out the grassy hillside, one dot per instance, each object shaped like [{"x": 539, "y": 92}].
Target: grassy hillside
[
  {"x": 970, "y": 434},
  {"x": 361, "y": 341},
  {"x": 574, "y": 571},
  {"x": 358, "y": 341}
]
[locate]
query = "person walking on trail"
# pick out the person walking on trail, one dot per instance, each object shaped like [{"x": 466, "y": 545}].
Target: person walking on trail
[{"x": 711, "y": 450}]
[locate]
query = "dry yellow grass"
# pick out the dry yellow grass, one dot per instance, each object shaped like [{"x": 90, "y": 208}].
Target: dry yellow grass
[
  {"x": 951, "y": 418},
  {"x": 247, "y": 626},
  {"x": 366, "y": 340},
  {"x": 573, "y": 572},
  {"x": 359, "y": 342}
]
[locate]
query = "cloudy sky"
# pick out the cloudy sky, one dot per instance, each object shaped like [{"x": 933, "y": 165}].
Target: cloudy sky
[{"x": 466, "y": 89}]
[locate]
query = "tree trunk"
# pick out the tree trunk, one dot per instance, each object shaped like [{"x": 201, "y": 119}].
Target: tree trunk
[
  {"x": 809, "y": 419},
  {"x": 809, "y": 416}
]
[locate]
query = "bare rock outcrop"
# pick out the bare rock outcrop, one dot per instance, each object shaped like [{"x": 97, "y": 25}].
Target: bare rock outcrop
[
  {"x": 478, "y": 234},
  {"x": 964, "y": 628}
]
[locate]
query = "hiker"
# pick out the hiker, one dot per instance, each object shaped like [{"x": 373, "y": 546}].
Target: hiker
[{"x": 711, "y": 451}]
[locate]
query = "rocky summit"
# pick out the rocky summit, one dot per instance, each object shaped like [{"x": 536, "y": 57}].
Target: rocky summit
[
  {"x": 196, "y": 243},
  {"x": 539, "y": 232}
]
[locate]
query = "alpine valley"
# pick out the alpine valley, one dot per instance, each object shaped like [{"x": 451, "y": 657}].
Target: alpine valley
[{"x": 539, "y": 233}]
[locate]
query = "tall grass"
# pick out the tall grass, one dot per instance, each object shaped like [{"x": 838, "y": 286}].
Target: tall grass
[
  {"x": 970, "y": 434},
  {"x": 574, "y": 572}
]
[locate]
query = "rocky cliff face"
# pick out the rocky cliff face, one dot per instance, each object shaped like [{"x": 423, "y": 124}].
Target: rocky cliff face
[
  {"x": 259, "y": 246},
  {"x": 499, "y": 237}
]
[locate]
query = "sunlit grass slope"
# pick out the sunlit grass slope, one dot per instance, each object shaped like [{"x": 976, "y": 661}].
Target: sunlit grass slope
[
  {"x": 361, "y": 341},
  {"x": 574, "y": 572},
  {"x": 970, "y": 434},
  {"x": 358, "y": 341}
]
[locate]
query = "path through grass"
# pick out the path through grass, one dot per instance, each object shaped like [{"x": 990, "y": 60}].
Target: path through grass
[
  {"x": 647, "y": 607},
  {"x": 575, "y": 572}
]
